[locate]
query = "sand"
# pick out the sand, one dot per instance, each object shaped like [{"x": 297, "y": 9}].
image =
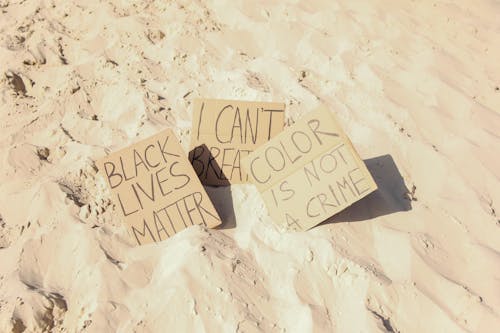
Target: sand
[{"x": 415, "y": 84}]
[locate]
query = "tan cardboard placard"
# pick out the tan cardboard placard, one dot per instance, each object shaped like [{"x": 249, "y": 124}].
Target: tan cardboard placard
[
  {"x": 226, "y": 131},
  {"x": 309, "y": 172},
  {"x": 156, "y": 189}
]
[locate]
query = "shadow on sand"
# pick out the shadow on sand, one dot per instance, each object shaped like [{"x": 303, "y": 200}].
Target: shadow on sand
[
  {"x": 391, "y": 196},
  {"x": 220, "y": 194},
  {"x": 223, "y": 203}
]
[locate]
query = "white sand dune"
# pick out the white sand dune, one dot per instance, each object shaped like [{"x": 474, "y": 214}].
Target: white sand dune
[{"x": 416, "y": 85}]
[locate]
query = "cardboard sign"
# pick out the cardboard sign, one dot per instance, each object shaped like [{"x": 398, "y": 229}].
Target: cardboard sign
[
  {"x": 309, "y": 172},
  {"x": 156, "y": 189},
  {"x": 224, "y": 132}
]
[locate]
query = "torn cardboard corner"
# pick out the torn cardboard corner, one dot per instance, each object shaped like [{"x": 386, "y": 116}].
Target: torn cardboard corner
[
  {"x": 226, "y": 131},
  {"x": 309, "y": 172},
  {"x": 156, "y": 189}
]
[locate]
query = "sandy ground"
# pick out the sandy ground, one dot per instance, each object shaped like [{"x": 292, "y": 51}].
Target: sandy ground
[{"x": 416, "y": 85}]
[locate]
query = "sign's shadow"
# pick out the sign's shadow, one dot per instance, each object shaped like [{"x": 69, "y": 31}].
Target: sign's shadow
[
  {"x": 223, "y": 203},
  {"x": 212, "y": 172},
  {"x": 219, "y": 195},
  {"x": 392, "y": 195}
]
